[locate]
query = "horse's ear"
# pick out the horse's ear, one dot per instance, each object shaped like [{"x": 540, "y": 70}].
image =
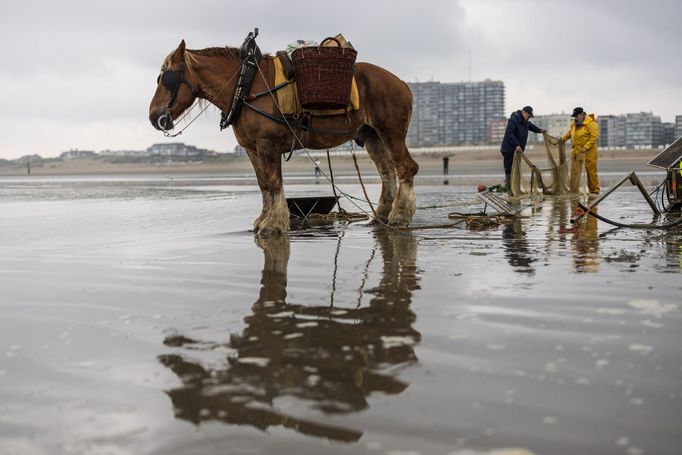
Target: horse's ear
[{"x": 180, "y": 51}]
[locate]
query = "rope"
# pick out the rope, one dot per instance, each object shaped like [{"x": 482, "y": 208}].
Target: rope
[
  {"x": 669, "y": 225},
  {"x": 481, "y": 221},
  {"x": 357, "y": 168},
  {"x": 347, "y": 216},
  {"x": 350, "y": 217},
  {"x": 305, "y": 150},
  {"x": 331, "y": 173}
]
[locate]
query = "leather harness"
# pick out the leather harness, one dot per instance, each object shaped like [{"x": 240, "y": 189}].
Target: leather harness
[{"x": 250, "y": 56}]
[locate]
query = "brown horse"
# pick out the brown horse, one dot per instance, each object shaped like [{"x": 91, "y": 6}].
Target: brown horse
[{"x": 381, "y": 123}]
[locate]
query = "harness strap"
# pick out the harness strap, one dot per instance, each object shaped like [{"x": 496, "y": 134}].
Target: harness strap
[
  {"x": 268, "y": 91},
  {"x": 250, "y": 56},
  {"x": 296, "y": 125}
]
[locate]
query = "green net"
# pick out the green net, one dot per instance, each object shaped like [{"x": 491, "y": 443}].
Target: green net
[{"x": 528, "y": 178}]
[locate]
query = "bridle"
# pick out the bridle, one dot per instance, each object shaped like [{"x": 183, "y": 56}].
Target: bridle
[{"x": 171, "y": 80}]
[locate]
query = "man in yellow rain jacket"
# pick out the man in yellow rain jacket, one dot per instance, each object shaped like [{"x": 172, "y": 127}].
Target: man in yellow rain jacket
[{"x": 584, "y": 133}]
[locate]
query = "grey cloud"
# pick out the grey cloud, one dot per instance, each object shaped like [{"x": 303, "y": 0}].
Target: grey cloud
[{"x": 81, "y": 64}]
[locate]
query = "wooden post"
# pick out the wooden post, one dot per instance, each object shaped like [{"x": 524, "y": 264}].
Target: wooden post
[{"x": 446, "y": 162}]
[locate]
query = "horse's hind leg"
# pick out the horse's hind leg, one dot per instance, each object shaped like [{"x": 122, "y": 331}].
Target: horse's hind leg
[
  {"x": 389, "y": 185},
  {"x": 405, "y": 202}
]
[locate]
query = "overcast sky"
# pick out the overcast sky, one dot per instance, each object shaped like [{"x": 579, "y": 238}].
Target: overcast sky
[{"x": 81, "y": 74}]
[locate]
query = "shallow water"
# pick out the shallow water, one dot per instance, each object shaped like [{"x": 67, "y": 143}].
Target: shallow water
[{"x": 139, "y": 315}]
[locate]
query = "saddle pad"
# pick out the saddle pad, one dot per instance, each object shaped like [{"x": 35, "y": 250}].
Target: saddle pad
[{"x": 287, "y": 97}]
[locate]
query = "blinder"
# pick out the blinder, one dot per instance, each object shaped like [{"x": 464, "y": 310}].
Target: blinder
[{"x": 171, "y": 80}]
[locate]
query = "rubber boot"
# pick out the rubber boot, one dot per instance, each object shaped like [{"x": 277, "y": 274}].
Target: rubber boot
[{"x": 507, "y": 183}]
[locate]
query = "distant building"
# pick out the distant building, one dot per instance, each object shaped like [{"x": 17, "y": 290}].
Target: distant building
[
  {"x": 612, "y": 130},
  {"x": 75, "y": 153},
  {"x": 123, "y": 153},
  {"x": 643, "y": 129},
  {"x": 678, "y": 126},
  {"x": 555, "y": 124},
  {"x": 454, "y": 113},
  {"x": 239, "y": 151},
  {"x": 667, "y": 133},
  {"x": 177, "y": 149},
  {"x": 496, "y": 128}
]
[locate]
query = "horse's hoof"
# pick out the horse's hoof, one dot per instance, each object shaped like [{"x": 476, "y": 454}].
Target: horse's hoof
[
  {"x": 269, "y": 232},
  {"x": 399, "y": 221}
]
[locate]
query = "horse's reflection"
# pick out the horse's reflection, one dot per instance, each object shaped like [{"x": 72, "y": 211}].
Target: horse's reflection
[{"x": 332, "y": 357}]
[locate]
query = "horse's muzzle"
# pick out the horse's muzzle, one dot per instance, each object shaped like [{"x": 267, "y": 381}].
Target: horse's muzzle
[{"x": 162, "y": 122}]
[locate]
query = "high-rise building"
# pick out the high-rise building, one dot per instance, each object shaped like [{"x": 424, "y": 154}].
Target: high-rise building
[
  {"x": 454, "y": 113},
  {"x": 678, "y": 126},
  {"x": 611, "y": 130},
  {"x": 643, "y": 129},
  {"x": 424, "y": 125}
]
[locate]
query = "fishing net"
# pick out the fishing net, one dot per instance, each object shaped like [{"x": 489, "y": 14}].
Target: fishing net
[{"x": 527, "y": 178}]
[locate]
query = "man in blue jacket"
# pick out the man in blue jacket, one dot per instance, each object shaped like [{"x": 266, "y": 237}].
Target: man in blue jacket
[{"x": 515, "y": 138}]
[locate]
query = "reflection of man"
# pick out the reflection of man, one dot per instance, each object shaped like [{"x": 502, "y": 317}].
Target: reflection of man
[
  {"x": 584, "y": 133},
  {"x": 586, "y": 244},
  {"x": 331, "y": 356},
  {"x": 515, "y": 138},
  {"x": 516, "y": 247}
]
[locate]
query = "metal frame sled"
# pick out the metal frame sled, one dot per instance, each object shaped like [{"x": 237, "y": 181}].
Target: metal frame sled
[
  {"x": 632, "y": 178},
  {"x": 670, "y": 160}
]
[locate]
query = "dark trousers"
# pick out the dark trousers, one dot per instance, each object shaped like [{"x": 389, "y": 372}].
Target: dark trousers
[{"x": 508, "y": 160}]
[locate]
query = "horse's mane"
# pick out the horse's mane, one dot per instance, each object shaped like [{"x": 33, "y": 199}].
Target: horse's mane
[
  {"x": 231, "y": 52},
  {"x": 216, "y": 52}
]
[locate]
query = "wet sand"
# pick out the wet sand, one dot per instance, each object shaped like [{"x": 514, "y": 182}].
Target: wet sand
[
  {"x": 462, "y": 162},
  {"x": 138, "y": 315}
]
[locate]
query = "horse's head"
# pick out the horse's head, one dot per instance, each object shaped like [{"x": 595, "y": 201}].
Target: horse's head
[{"x": 171, "y": 99}]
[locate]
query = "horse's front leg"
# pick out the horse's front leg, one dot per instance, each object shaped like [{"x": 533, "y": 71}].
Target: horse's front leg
[
  {"x": 275, "y": 217},
  {"x": 267, "y": 200}
]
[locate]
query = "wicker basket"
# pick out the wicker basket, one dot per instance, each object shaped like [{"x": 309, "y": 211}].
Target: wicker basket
[{"x": 324, "y": 75}]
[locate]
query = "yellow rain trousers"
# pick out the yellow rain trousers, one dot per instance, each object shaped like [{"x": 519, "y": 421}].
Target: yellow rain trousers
[{"x": 585, "y": 139}]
